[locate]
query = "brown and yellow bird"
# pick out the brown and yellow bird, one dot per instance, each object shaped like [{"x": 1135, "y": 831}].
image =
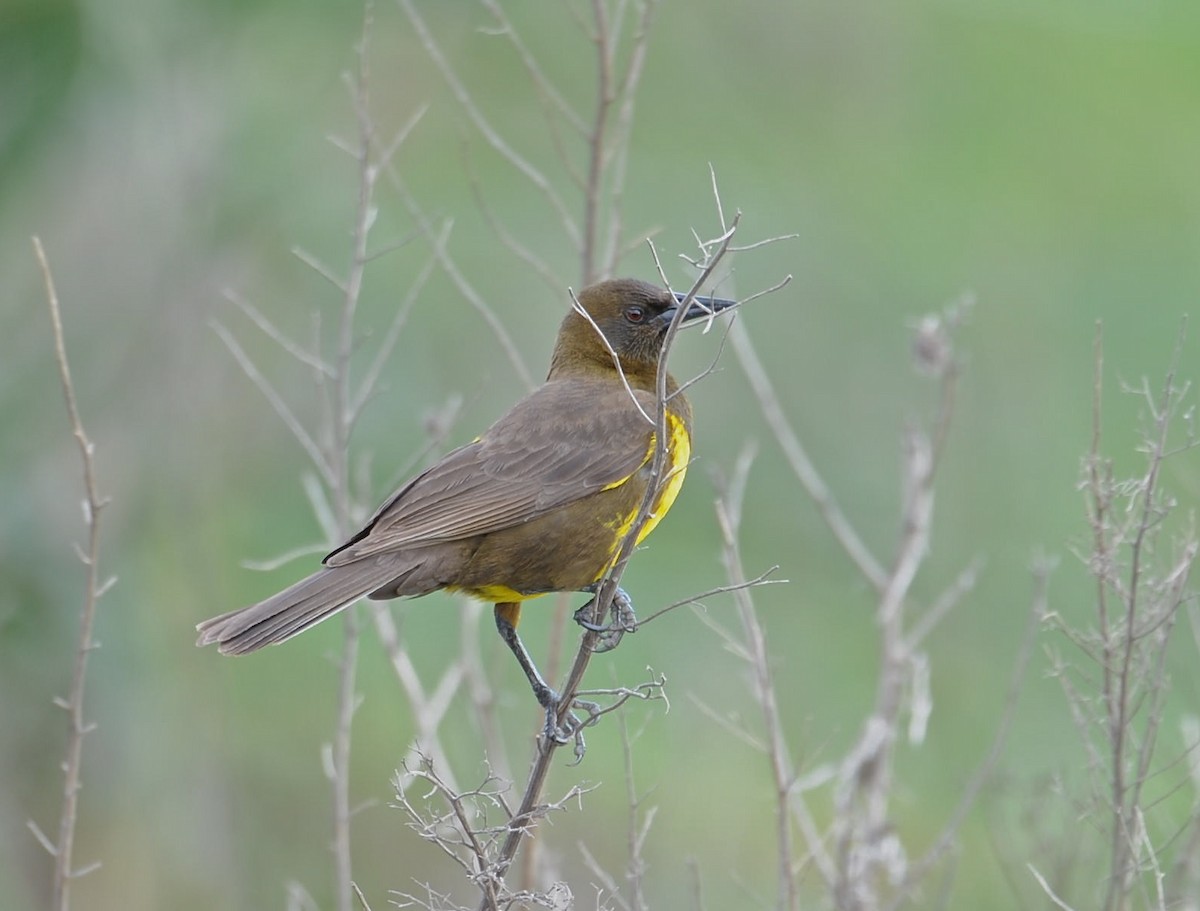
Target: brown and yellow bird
[{"x": 539, "y": 503}]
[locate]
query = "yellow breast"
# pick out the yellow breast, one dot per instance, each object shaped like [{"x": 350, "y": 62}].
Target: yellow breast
[{"x": 679, "y": 454}]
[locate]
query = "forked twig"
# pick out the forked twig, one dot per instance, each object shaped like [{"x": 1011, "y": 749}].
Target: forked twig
[
  {"x": 729, "y": 514},
  {"x": 527, "y": 808},
  {"x": 526, "y": 168}
]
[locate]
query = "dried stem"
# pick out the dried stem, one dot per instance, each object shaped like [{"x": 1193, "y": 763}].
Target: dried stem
[
  {"x": 342, "y": 412},
  {"x": 802, "y": 466},
  {"x": 527, "y": 810},
  {"x": 437, "y": 239},
  {"x": 595, "y": 172},
  {"x": 62, "y": 849},
  {"x": 729, "y": 515},
  {"x": 606, "y": 134},
  {"x": 277, "y": 402},
  {"x": 860, "y": 857},
  {"x": 329, "y": 450},
  {"x": 864, "y": 843},
  {"x": 493, "y": 137},
  {"x": 983, "y": 773},
  {"x": 599, "y": 169},
  {"x": 1137, "y": 605}
]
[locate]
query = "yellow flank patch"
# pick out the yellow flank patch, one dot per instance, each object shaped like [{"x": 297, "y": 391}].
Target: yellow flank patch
[
  {"x": 679, "y": 453},
  {"x": 495, "y": 593}
]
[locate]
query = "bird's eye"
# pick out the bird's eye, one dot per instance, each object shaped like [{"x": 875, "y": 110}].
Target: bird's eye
[{"x": 635, "y": 314}]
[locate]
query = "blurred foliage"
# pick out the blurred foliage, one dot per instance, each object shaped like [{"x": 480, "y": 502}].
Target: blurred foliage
[{"x": 1042, "y": 157}]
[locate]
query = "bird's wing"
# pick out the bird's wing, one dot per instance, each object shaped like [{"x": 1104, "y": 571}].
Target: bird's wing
[{"x": 563, "y": 442}]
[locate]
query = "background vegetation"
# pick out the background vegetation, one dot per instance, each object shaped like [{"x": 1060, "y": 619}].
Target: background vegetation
[{"x": 1041, "y": 157}]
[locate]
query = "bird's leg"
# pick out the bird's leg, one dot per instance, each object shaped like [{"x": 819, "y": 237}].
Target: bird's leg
[
  {"x": 507, "y": 614},
  {"x": 621, "y": 620}
]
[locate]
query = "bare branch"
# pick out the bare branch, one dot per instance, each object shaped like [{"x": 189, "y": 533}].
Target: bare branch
[
  {"x": 1050, "y": 894},
  {"x": 638, "y": 830},
  {"x": 537, "y": 77},
  {"x": 762, "y": 243},
  {"x": 535, "y": 262},
  {"x": 1117, "y": 699},
  {"x": 963, "y": 584},
  {"x": 761, "y": 579},
  {"x": 63, "y": 849},
  {"x": 276, "y": 402},
  {"x": 618, "y": 156},
  {"x": 729, "y": 515},
  {"x": 273, "y": 563},
  {"x": 320, "y": 268},
  {"x": 428, "y": 711},
  {"x": 484, "y": 126},
  {"x": 983, "y": 773},
  {"x": 732, "y": 723},
  {"x": 607, "y": 588},
  {"x": 465, "y": 288},
  {"x": 342, "y": 415},
  {"x": 275, "y": 334},
  {"x": 802, "y": 466},
  {"x": 383, "y": 354},
  {"x": 596, "y": 153}
]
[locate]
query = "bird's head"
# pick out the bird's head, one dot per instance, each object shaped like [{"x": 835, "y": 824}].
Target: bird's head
[{"x": 633, "y": 316}]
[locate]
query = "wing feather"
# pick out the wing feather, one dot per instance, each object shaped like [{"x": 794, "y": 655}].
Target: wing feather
[{"x": 563, "y": 442}]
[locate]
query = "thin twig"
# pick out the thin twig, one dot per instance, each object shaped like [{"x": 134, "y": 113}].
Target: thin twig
[
  {"x": 77, "y": 728},
  {"x": 729, "y": 515},
  {"x": 536, "y": 75},
  {"x": 618, "y": 155},
  {"x": 921, "y": 868},
  {"x": 370, "y": 380},
  {"x": 342, "y": 415},
  {"x": 273, "y": 332},
  {"x": 596, "y": 145},
  {"x": 526, "y": 168},
  {"x": 528, "y": 806},
  {"x": 465, "y": 288},
  {"x": 802, "y": 466},
  {"x": 534, "y": 261},
  {"x": 1050, "y": 894},
  {"x": 761, "y": 579},
  {"x": 276, "y": 401},
  {"x": 582, "y": 311}
]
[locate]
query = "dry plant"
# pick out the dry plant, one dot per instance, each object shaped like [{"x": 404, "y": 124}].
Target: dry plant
[
  {"x": 592, "y": 151},
  {"x": 591, "y": 148},
  {"x": 460, "y": 827},
  {"x": 480, "y": 827},
  {"x": 343, "y": 398},
  {"x": 857, "y": 859},
  {"x": 62, "y": 847},
  {"x": 1114, "y": 669}
]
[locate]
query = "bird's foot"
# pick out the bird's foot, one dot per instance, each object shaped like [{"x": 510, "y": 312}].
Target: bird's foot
[
  {"x": 622, "y": 620},
  {"x": 569, "y": 727}
]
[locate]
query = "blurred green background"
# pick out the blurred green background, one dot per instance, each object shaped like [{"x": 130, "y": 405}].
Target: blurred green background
[{"x": 1043, "y": 157}]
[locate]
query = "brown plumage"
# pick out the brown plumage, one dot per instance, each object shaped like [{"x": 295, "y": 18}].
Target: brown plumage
[{"x": 538, "y": 503}]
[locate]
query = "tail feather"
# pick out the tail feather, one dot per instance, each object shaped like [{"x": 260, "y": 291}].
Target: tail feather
[{"x": 294, "y": 609}]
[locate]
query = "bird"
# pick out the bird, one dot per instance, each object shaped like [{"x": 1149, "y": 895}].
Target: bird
[{"x": 540, "y": 502}]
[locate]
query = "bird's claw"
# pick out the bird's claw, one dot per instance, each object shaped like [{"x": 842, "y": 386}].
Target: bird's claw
[
  {"x": 569, "y": 727},
  {"x": 622, "y": 620},
  {"x": 562, "y": 724}
]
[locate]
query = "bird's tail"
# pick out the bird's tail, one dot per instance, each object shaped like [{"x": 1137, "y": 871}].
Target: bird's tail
[{"x": 294, "y": 609}]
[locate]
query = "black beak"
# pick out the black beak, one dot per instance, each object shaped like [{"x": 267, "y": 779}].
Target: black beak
[{"x": 698, "y": 308}]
